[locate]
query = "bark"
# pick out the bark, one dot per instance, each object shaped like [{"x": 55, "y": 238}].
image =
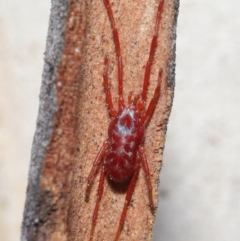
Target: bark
[{"x": 73, "y": 118}]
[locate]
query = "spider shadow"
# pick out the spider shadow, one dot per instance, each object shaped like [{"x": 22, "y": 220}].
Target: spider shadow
[{"x": 119, "y": 187}]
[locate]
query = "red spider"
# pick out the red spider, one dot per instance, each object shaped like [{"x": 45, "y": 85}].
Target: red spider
[{"x": 122, "y": 152}]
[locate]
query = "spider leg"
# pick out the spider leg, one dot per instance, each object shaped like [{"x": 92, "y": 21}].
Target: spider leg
[
  {"x": 112, "y": 111},
  {"x": 147, "y": 176},
  {"x": 136, "y": 100},
  {"x": 130, "y": 98},
  {"x": 99, "y": 196},
  {"x": 151, "y": 53},
  {"x": 96, "y": 162},
  {"x": 127, "y": 200},
  {"x": 154, "y": 100},
  {"x": 118, "y": 50}
]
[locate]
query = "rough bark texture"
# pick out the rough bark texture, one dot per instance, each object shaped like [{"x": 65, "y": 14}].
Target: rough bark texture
[{"x": 73, "y": 118}]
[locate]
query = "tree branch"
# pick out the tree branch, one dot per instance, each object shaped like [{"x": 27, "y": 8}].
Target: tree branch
[{"x": 73, "y": 118}]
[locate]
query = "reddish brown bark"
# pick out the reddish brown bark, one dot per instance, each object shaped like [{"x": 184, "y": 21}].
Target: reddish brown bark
[{"x": 73, "y": 105}]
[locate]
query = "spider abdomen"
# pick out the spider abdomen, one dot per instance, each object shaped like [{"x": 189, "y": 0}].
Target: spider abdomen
[{"x": 126, "y": 133}]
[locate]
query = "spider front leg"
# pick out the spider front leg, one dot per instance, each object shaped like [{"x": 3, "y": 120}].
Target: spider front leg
[
  {"x": 154, "y": 100},
  {"x": 151, "y": 53},
  {"x": 112, "y": 111},
  {"x": 119, "y": 56}
]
